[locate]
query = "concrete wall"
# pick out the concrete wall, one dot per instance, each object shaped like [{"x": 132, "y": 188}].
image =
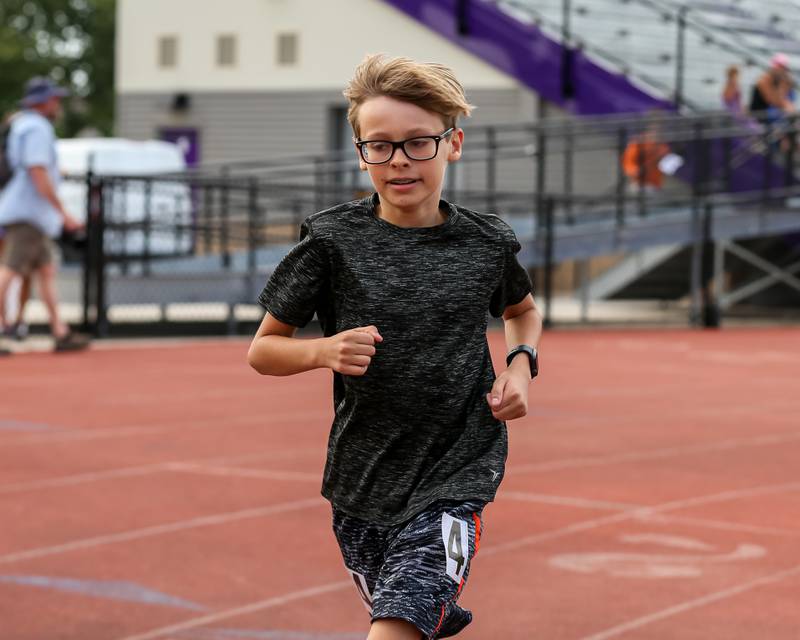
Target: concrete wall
[
  {"x": 236, "y": 125},
  {"x": 333, "y": 37}
]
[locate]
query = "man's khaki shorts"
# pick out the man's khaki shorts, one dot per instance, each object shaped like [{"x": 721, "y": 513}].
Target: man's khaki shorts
[{"x": 25, "y": 249}]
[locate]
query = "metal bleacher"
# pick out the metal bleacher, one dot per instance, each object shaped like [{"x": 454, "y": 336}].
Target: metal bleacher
[{"x": 671, "y": 48}]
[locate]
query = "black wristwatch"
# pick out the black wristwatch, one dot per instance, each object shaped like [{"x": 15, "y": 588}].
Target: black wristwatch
[{"x": 533, "y": 356}]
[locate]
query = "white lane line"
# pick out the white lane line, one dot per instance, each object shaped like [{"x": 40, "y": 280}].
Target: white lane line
[
  {"x": 103, "y": 433},
  {"x": 693, "y": 604},
  {"x": 653, "y": 454},
  {"x": 617, "y": 506},
  {"x": 759, "y": 355},
  {"x": 270, "y": 603},
  {"x": 307, "y": 593},
  {"x": 269, "y": 474},
  {"x": 273, "y": 602},
  {"x": 638, "y": 512},
  {"x": 578, "y": 420},
  {"x": 121, "y": 472},
  {"x": 98, "y": 433},
  {"x": 95, "y": 433},
  {"x": 161, "y": 529},
  {"x": 724, "y": 525},
  {"x": 723, "y": 496},
  {"x": 568, "y": 463},
  {"x": 576, "y": 527},
  {"x": 137, "y": 344},
  {"x": 80, "y": 478},
  {"x": 594, "y": 523},
  {"x": 567, "y": 501}
]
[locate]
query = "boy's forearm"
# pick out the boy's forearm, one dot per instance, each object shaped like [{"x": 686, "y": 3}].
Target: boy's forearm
[
  {"x": 526, "y": 328},
  {"x": 275, "y": 355}
]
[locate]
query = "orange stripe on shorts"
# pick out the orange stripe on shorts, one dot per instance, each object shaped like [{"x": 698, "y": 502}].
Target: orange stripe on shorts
[
  {"x": 477, "y": 533},
  {"x": 444, "y": 608},
  {"x": 441, "y": 620}
]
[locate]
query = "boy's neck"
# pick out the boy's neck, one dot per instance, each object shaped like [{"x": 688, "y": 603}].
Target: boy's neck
[{"x": 428, "y": 215}]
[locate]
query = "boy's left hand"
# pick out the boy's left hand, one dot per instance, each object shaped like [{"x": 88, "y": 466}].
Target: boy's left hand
[{"x": 509, "y": 396}]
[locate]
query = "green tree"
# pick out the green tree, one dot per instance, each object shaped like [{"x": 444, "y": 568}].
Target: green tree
[{"x": 72, "y": 42}]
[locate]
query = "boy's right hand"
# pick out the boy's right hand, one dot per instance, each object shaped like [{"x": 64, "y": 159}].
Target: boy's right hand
[{"x": 350, "y": 352}]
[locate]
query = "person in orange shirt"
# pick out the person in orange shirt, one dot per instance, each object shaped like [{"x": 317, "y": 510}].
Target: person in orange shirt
[{"x": 641, "y": 158}]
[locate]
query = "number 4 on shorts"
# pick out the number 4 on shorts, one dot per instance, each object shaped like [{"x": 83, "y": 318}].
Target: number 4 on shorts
[{"x": 455, "y": 536}]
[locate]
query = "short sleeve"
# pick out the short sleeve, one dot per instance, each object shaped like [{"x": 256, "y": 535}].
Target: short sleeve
[
  {"x": 293, "y": 291},
  {"x": 514, "y": 282},
  {"x": 37, "y": 148}
]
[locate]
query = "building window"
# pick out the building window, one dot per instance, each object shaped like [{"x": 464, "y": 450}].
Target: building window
[
  {"x": 168, "y": 51},
  {"x": 287, "y": 49},
  {"x": 226, "y": 51}
]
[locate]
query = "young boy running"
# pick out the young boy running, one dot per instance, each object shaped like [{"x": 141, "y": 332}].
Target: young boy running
[{"x": 402, "y": 283}]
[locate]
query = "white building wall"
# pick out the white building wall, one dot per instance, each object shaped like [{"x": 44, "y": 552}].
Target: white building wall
[{"x": 334, "y": 36}]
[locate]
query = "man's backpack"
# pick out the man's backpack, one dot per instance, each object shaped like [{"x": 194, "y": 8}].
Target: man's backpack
[{"x": 6, "y": 171}]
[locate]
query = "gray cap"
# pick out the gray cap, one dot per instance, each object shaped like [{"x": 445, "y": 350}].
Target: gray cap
[{"x": 39, "y": 90}]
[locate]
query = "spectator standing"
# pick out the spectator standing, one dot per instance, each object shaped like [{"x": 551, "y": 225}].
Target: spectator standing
[
  {"x": 641, "y": 161},
  {"x": 30, "y": 210},
  {"x": 769, "y": 100},
  {"x": 732, "y": 93}
]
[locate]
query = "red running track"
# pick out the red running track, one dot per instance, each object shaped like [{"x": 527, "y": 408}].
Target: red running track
[{"x": 164, "y": 490}]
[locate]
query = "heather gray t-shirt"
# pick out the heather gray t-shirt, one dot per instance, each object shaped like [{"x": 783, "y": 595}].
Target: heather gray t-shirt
[{"x": 416, "y": 427}]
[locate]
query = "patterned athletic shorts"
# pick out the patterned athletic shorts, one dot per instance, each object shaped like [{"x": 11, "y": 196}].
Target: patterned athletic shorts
[{"x": 414, "y": 571}]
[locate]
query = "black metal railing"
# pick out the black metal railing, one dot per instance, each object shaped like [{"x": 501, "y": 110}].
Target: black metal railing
[
  {"x": 156, "y": 239},
  {"x": 514, "y": 164}
]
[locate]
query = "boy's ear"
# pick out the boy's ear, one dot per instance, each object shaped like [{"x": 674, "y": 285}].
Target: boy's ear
[
  {"x": 456, "y": 144},
  {"x": 361, "y": 164}
]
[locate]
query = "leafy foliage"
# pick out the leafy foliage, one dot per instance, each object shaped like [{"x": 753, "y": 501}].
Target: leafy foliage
[{"x": 72, "y": 42}]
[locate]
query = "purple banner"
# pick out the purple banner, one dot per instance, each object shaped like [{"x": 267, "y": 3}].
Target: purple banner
[{"x": 187, "y": 139}]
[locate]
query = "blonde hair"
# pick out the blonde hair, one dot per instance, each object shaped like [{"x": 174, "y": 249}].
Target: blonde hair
[{"x": 428, "y": 85}]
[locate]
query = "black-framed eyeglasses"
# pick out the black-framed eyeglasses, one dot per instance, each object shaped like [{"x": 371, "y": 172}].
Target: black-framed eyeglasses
[{"x": 417, "y": 148}]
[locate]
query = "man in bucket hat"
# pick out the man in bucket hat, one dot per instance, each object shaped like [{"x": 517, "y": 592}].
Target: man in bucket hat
[{"x": 31, "y": 212}]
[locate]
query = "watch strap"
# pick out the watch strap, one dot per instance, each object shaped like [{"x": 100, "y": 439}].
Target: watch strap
[{"x": 532, "y": 354}]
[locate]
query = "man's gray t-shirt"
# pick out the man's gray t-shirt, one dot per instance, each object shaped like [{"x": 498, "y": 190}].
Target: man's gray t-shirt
[{"x": 416, "y": 427}]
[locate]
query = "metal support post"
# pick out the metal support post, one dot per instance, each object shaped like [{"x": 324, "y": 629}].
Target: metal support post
[
  {"x": 491, "y": 170},
  {"x": 583, "y": 284},
  {"x": 549, "y": 241},
  {"x": 569, "y": 171},
  {"x": 711, "y": 315},
  {"x": 695, "y": 276},
  {"x": 224, "y": 219},
  {"x": 147, "y": 227},
  {"x": 680, "y": 56},
  {"x": 101, "y": 327},
  {"x": 622, "y": 141},
  {"x": 88, "y": 254}
]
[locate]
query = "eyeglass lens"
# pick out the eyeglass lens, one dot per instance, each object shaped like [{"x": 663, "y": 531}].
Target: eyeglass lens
[{"x": 415, "y": 149}]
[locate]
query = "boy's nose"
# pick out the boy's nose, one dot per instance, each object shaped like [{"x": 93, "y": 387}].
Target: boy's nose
[{"x": 399, "y": 158}]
